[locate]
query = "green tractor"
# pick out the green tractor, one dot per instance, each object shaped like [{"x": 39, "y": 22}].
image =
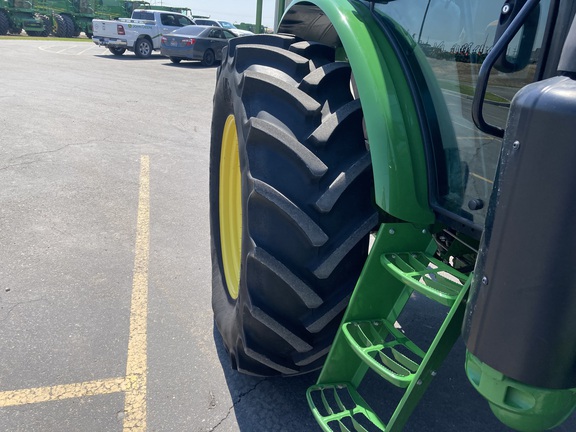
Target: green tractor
[
  {"x": 114, "y": 9},
  {"x": 68, "y": 18},
  {"x": 18, "y": 15},
  {"x": 376, "y": 156}
]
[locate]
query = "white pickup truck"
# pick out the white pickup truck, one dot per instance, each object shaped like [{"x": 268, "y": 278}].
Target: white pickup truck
[{"x": 141, "y": 33}]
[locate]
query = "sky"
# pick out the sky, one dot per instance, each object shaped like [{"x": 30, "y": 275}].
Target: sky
[{"x": 227, "y": 10}]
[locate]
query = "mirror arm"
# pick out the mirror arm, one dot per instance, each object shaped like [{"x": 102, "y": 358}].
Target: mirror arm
[{"x": 497, "y": 50}]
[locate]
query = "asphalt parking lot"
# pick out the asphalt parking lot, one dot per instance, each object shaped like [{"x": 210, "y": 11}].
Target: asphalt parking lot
[{"x": 105, "y": 266}]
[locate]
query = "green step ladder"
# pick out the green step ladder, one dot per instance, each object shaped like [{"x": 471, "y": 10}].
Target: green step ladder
[{"x": 400, "y": 262}]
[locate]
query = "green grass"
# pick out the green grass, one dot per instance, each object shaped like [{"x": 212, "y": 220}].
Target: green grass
[{"x": 24, "y": 37}]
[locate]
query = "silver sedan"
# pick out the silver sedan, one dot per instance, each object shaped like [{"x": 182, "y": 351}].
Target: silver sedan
[{"x": 195, "y": 42}]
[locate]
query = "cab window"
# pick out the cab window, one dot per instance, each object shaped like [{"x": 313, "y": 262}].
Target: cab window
[{"x": 454, "y": 37}]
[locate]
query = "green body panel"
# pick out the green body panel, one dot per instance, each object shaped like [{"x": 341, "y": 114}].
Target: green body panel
[
  {"x": 21, "y": 14},
  {"x": 114, "y": 9},
  {"x": 81, "y": 11},
  {"x": 520, "y": 406},
  {"x": 398, "y": 157}
]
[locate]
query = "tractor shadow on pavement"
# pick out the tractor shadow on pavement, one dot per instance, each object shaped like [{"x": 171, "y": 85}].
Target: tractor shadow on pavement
[
  {"x": 267, "y": 404},
  {"x": 450, "y": 404}
]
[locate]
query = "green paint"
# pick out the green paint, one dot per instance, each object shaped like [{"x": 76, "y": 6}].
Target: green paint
[
  {"x": 258, "y": 15},
  {"x": 517, "y": 405},
  {"x": 369, "y": 339},
  {"x": 398, "y": 158}
]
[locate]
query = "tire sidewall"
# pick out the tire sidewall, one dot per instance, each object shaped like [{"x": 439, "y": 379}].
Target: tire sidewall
[{"x": 227, "y": 311}]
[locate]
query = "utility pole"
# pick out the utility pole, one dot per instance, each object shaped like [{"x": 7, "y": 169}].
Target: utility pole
[{"x": 258, "y": 15}]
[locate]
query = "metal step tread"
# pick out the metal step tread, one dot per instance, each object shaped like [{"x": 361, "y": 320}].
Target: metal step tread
[
  {"x": 339, "y": 407},
  {"x": 385, "y": 349},
  {"x": 426, "y": 274}
]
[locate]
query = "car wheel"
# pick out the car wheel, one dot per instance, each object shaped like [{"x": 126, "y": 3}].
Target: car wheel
[
  {"x": 209, "y": 58},
  {"x": 291, "y": 205},
  {"x": 175, "y": 60},
  {"x": 143, "y": 48},
  {"x": 117, "y": 51}
]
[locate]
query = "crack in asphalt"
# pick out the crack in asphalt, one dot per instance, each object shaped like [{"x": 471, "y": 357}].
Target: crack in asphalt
[
  {"x": 32, "y": 154},
  {"x": 238, "y": 400},
  {"x": 13, "y": 306},
  {"x": 41, "y": 153}
]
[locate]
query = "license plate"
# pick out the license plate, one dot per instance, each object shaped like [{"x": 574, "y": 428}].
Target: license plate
[{"x": 173, "y": 43}]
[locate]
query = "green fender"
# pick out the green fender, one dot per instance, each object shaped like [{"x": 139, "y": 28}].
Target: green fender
[{"x": 396, "y": 144}]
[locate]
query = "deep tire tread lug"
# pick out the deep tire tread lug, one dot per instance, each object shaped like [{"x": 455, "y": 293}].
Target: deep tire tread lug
[
  {"x": 305, "y": 224},
  {"x": 300, "y": 288}
]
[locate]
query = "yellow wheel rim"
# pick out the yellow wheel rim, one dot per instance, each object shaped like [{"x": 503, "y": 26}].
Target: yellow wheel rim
[{"x": 230, "y": 207}]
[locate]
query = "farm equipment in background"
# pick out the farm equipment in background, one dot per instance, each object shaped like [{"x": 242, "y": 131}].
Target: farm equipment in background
[
  {"x": 18, "y": 15},
  {"x": 356, "y": 122},
  {"x": 68, "y": 18},
  {"x": 114, "y": 9}
]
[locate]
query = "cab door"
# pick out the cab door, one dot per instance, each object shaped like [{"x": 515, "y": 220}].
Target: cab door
[{"x": 452, "y": 38}]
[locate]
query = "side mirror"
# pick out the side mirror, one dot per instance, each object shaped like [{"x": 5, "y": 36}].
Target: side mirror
[{"x": 522, "y": 45}]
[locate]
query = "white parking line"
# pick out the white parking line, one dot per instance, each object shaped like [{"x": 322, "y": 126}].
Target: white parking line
[
  {"x": 87, "y": 49},
  {"x": 77, "y": 49}
]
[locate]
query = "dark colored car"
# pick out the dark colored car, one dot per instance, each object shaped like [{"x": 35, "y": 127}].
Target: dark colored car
[
  {"x": 195, "y": 42},
  {"x": 224, "y": 24}
]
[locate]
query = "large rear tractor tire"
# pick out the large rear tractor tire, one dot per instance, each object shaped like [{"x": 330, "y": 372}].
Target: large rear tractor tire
[
  {"x": 70, "y": 27},
  {"x": 60, "y": 27},
  {"x": 4, "y": 24},
  {"x": 291, "y": 205},
  {"x": 47, "y": 25}
]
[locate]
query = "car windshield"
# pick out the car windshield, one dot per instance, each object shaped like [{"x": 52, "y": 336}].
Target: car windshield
[
  {"x": 191, "y": 30},
  {"x": 227, "y": 25}
]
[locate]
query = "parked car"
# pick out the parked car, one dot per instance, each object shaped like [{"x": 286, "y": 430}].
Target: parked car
[
  {"x": 138, "y": 33},
  {"x": 223, "y": 24},
  {"x": 195, "y": 42}
]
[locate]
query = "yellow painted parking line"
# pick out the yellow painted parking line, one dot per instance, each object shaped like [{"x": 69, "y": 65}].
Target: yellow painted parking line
[
  {"x": 61, "y": 392},
  {"x": 134, "y": 383},
  {"x": 481, "y": 178},
  {"x": 136, "y": 365}
]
